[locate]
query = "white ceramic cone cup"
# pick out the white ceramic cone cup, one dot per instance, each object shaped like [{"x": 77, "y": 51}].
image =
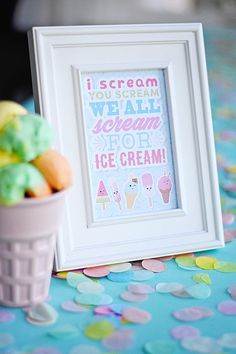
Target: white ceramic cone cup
[{"x": 27, "y": 240}]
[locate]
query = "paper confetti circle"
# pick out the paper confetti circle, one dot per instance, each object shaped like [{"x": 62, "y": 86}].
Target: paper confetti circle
[
  {"x": 119, "y": 267},
  {"x": 132, "y": 297},
  {"x": 205, "y": 262},
  {"x": 201, "y": 345},
  {"x": 119, "y": 340},
  {"x": 165, "y": 258},
  {"x": 153, "y": 265},
  {"x": 232, "y": 291},
  {"x": 227, "y": 307},
  {"x": 228, "y": 218},
  {"x": 93, "y": 299},
  {"x": 169, "y": 287},
  {"x": 6, "y": 316},
  {"x": 99, "y": 329},
  {"x": 229, "y": 235},
  {"x": 121, "y": 276},
  {"x": 160, "y": 347},
  {"x": 117, "y": 308},
  {"x": 71, "y": 306},
  {"x": 42, "y": 315},
  {"x": 136, "y": 315},
  {"x": 225, "y": 267},
  {"x": 96, "y": 272},
  {"x": 140, "y": 288},
  {"x": 202, "y": 278},
  {"x": 102, "y": 310},
  {"x": 199, "y": 291},
  {"x": 66, "y": 331},
  {"x": 181, "y": 294},
  {"x": 186, "y": 260},
  {"x": 90, "y": 287},
  {"x": 181, "y": 332},
  {"x": 74, "y": 278},
  {"x": 228, "y": 340},
  {"x": 192, "y": 313}
]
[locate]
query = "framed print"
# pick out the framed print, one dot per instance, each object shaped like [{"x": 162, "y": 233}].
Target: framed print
[{"x": 130, "y": 108}]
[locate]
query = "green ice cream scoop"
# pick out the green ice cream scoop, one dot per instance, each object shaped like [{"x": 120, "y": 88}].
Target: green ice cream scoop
[
  {"x": 28, "y": 136},
  {"x": 15, "y": 179}
]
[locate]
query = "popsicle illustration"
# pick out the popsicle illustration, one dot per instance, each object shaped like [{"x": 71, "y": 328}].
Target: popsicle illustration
[
  {"x": 165, "y": 186},
  {"x": 116, "y": 193},
  {"x": 131, "y": 192},
  {"x": 147, "y": 181},
  {"x": 102, "y": 195}
]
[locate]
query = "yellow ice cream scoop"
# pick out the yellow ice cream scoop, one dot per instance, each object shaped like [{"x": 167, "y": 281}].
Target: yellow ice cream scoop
[
  {"x": 6, "y": 158},
  {"x": 10, "y": 110}
]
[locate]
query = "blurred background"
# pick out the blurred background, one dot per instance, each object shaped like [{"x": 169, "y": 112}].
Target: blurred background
[{"x": 17, "y": 17}]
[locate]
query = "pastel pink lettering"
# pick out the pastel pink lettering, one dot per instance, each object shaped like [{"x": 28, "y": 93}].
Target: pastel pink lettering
[
  {"x": 118, "y": 124},
  {"x": 103, "y": 84},
  {"x": 130, "y": 83},
  {"x": 139, "y": 158},
  {"x": 104, "y": 161}
]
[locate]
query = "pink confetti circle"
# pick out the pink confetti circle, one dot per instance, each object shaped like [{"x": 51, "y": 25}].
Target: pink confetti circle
[
  {"x": 96, "y": 272},
  {"x": 181, "y": 332},
  {"x": 229, "y": 235},
  {"x": 136, "y": 315},
  {"x": 102, "y": 310},
  {"x": 232, "y": 291},
  {"x": 165, "y": 258},
  {"x": 119, "y": 340},
  {"x": 181, "y": 294},
  {"x": 6, "y": 316},
  {"x": 140, "y": 288},
  {"x": 168, "y": 287},
  {"x": 227, "y": 135},
  {"x": 132, "y": 297},
  {"x": 228, "y": 218},
  {"x": 227, "y": 307},
  {"x": 230, "y": 187},
  {"x": 192, "y": 313},
  {"x": 153, "y": 265}
]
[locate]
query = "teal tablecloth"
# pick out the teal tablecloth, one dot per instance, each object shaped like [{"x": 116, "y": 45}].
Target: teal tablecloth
[{"x": 19, "y": 336}]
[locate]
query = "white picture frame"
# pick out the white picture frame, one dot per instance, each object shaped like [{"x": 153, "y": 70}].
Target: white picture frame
[{"x": 68, "y": 66}]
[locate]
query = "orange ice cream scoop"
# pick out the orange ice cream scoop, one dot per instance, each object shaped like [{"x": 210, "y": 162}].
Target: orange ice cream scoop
[
  {"x": 44, "y": 190},
  {"x": 55, "y": 168}
]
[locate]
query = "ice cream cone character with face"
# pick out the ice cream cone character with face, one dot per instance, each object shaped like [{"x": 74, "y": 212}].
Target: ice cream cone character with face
[
  {"x": 165, "y": 186},
  {"x": 102, "y": 195},
  {"x": 147, "y": 181},
  {"x": 116, "y": 193},
  {"x": 131, "y": 192}
]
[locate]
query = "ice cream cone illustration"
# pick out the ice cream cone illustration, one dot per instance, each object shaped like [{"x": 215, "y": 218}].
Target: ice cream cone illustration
[
  {"x": 165, "y": 186},
  {"x": 131, "y": 192},
  {"x": 116, "y": 193},
  {"x": 102, "y": 195},
  {"x": 147, "y": 181}
]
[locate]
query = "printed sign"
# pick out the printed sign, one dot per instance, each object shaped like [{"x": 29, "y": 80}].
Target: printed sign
[{"x": 128, "y": 143}]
